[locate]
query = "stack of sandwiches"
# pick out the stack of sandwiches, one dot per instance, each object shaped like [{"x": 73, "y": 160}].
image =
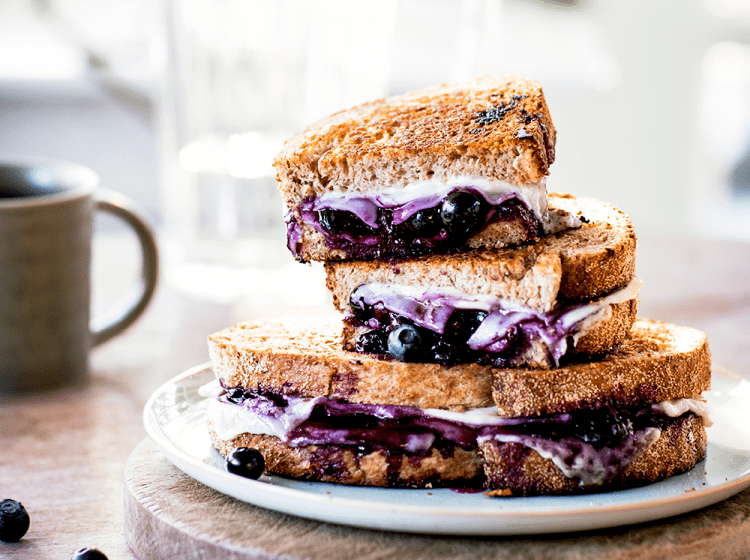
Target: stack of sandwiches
[{"x": 487, "y": 334}]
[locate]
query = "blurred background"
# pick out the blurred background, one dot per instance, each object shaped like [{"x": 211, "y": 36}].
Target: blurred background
[{"x": 181, "y": 104}]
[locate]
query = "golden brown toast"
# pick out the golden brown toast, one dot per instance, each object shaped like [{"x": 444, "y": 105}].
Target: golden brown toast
[
  {"x": 656, "y": 362},
  {"x": 494, "y": 127}
]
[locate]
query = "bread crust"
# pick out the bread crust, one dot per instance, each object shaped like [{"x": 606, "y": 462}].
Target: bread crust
[
  {"x": 496, "y": 127},
  {"x": 574, "y": 265},
  {"x": 343, "y": 465},
  {"x": 522, "y": 471},
  {"x": 656, "y": 362}
]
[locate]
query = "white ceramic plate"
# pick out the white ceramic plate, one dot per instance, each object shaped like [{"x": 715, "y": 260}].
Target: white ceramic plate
[{"x": 174, "y": 418}]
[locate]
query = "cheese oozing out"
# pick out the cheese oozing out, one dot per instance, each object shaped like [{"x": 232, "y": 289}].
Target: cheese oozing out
[
  {"x": 397, "y": 222},
  {"x": 294, "y": 421},
  {"x": 503, "y": 320}
]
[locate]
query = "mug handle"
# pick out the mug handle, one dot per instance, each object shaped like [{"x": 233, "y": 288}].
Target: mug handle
[{"x": 125, "y": 312}]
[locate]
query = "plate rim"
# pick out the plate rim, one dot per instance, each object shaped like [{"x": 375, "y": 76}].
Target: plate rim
[{"x": 649, "y": 509}]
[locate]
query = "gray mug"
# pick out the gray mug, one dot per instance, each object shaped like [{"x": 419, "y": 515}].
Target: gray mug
[{"x": 46, "y": 223}]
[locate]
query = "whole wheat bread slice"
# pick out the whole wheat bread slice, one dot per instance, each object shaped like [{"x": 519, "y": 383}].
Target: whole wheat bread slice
[
  {"x": 574, "y": 265},
  {"x": 493, "y": 127},
  {"x": 656, "y": 362},
  {"x": 515, "y": 470},
  {"x": 343, "y": 465},
  {"x": 303, "y": 357}
]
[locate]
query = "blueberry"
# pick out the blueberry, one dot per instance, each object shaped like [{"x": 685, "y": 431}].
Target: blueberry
[
  {"x": 444, "y": 353},
  {"x": 14, "y": 521},
  {"x": 602, "y": 428},
  {"x": 462, "y": 324},
  {"x": 462, "y": 213},
  {"x": 247, "y": 462},
  {"x": 89, "y": 554},
  {"x": 235, "y": 395},
  {"x": 372, "y": 342},
  {"x": 338, "y": 222},
  {"x": 404, "y": 343},
  {"x": 425, "y": 223}
]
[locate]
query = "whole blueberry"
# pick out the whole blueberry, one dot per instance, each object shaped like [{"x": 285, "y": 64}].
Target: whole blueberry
[
  {"x": 14, "y": 521},
  {"x": 247, "y": 462},
  {"x": 89, "y": 554},
  {"x": 425, "y": 223},
  {"x": 404, "y": 343},
  {"x": 462, "y": 213},
  {"x": 338, "y": 222}
]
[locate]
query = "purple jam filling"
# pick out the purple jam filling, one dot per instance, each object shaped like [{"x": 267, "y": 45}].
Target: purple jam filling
[
  {"x": 603, "y": 440},
  {"x": 456, "y": 330},
  {"x": 374, "y": 226}
]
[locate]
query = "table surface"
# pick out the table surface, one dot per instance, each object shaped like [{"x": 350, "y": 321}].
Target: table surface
[{"x": 63, "y": 453}]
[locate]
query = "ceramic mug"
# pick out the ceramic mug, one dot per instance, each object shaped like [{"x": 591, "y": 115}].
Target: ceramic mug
[{"x": 47, "y": 211}]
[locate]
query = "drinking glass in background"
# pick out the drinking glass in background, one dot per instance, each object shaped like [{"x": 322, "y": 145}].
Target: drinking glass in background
[{"x": 242, "y": 76}]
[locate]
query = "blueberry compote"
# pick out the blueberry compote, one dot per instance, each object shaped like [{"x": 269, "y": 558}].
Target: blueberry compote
[
  {"x": 369, "y": 226},
  {"x": 425, "y": 345},
  {"x": 405, "y": 429}
]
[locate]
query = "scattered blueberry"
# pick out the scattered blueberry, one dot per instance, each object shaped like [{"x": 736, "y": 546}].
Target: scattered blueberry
[
  {"x": 461, "y": 213},
  {"x": 404, "y": 343},
  {"x": 247, "y": 462},
  {"x": 89, "y": 554},
  {"x": 14, "y": 521}
]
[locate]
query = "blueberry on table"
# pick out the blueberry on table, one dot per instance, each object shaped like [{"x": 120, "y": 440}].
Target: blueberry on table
[
  {"x": 14, "y": 521},
  {"x": 247, "y": 462},
  {"x": 461, "y": 213},
  {"x": 404, "y": 343},
  {"x": 89, "y": 554}
]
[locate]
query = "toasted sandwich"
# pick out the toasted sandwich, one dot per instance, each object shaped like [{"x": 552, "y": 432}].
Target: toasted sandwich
[
  {"x": 431, "y": 171},
  {"x": 569, "y": 295},
  {"x": 317, "y": 412}
]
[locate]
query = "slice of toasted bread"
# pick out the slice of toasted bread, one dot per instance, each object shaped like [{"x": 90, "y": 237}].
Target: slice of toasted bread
[
  {"x": 519, "y": 470},
  {"x": 303, "y": 357},
  {"x": 493, "y": 127},
  {"x": 656, "y": 362},
  {"x": 346, "y": 465},
  {"x": 574, "y": 265},
  {"x": 493, "y": 134}
]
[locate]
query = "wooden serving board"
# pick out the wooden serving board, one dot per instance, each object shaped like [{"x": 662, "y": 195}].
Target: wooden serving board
[{"x": 168, "y": 515}]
